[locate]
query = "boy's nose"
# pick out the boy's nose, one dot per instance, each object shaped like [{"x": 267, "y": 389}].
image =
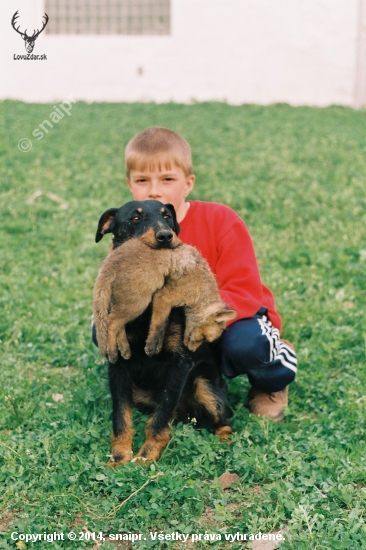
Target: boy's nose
[{"x": 154, "y": 191}]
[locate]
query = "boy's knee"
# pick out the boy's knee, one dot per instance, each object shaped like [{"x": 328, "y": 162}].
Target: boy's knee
[
  {"x": 248, "y": 349},
  {"x": 243, "y": 344},
  {"x": 271, "y": 379}
]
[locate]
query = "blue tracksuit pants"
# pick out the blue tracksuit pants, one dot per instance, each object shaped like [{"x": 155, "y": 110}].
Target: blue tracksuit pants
[{"x": 252, "y": 346}]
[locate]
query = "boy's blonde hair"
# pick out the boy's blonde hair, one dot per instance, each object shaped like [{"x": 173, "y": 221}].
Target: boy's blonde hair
[{"x": 158, "y": 149}]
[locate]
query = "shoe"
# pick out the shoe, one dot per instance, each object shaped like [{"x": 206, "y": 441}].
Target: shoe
[{"x": 270, "y": 405}]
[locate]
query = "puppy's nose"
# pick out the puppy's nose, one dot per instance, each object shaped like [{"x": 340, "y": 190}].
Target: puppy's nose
[{"x": 164, "y": 237}]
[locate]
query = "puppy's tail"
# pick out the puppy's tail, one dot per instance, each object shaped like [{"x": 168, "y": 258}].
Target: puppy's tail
[{"x": 101, "y": 304}]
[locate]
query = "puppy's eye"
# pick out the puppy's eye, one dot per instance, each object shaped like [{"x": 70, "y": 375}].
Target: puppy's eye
[
  {"x": 166, "y": 216},
  {"x": 136, "y": 219}
]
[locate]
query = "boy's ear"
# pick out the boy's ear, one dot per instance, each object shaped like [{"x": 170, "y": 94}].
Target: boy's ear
[
  {"x": 105, "y": 223},
  {"x": 176, "y": 224}
]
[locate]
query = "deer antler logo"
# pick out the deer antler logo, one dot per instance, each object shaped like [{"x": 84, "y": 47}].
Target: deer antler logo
[{"x": 28, "y": 40}]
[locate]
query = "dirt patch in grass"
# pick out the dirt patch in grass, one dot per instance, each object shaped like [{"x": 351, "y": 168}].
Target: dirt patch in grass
[
  {"x": 5, "y": 519},
  {"x": 226, "y": 480}
]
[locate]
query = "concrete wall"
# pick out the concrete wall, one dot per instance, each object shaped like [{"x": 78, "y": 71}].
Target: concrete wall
[{"x": 241, "y": 51}]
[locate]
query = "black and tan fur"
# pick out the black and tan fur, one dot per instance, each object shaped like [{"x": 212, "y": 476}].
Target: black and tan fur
[{"x": 175, "y": 383}]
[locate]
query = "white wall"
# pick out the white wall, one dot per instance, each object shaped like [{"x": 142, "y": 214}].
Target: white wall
[{"x": 241, "y": 51}]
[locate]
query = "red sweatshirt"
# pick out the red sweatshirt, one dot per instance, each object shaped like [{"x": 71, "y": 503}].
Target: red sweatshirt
[{"x": 224, "y": 241}]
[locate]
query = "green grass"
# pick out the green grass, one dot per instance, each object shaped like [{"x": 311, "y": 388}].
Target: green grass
[{"x": 297, "y": 176}]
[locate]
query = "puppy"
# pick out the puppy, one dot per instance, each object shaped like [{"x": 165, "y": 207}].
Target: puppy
[{"x": 175, "y": 275}]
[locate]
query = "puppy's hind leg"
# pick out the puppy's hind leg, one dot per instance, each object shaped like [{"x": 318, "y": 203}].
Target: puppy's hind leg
[
  {"x": 102, "y": 337},
  {"x": 101, "y": 300}
]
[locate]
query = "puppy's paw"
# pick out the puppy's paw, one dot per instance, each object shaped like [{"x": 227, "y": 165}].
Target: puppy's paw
[
  {"x": 192, "y": 339},
  {"x": 125, "y": 351},
  {"x": 154, "y": 345},
  {"x": 186, "y": 339},
  {"x": 121, "y": 451},
  {"x": 126, "y": 354},
  {"x": 193, "y": 344},
  {"x": 112, "y": 355},
  {"x": 150, "y": 349},
  {"x": 150, "y": 346},
  {"x": 159, "y": 343}
]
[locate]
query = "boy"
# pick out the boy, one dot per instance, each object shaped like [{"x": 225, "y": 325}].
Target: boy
[{"x": 159, "y": 167}]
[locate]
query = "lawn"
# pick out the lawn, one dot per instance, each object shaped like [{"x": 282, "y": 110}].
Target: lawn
[{"x": 297, "y": 176}]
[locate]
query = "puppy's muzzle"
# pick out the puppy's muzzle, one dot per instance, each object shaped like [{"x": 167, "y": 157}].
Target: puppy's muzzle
[{"x": 164, "y": 237}]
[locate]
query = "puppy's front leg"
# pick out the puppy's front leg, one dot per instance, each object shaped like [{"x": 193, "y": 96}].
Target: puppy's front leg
[
  {"x": 121, "y": 391},
  {"x": 161, "y": 308},
  {"x": 117, "y": 334}
]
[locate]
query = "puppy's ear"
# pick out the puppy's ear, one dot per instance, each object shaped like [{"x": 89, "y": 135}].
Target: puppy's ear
[
  {"x": 224, "y": 313},
  {"x": 219, "y": 312},
  {"x": 105, "y": 223},
  {"x": 176, "y": 228}
]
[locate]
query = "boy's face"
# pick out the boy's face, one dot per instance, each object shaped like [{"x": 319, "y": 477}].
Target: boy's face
[{"x": 167, "y": 186}]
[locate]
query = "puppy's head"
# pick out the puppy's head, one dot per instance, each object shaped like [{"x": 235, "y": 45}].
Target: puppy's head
[
  {"x": 212, "y": 325},
  {"x": 153, "y": 222}
]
